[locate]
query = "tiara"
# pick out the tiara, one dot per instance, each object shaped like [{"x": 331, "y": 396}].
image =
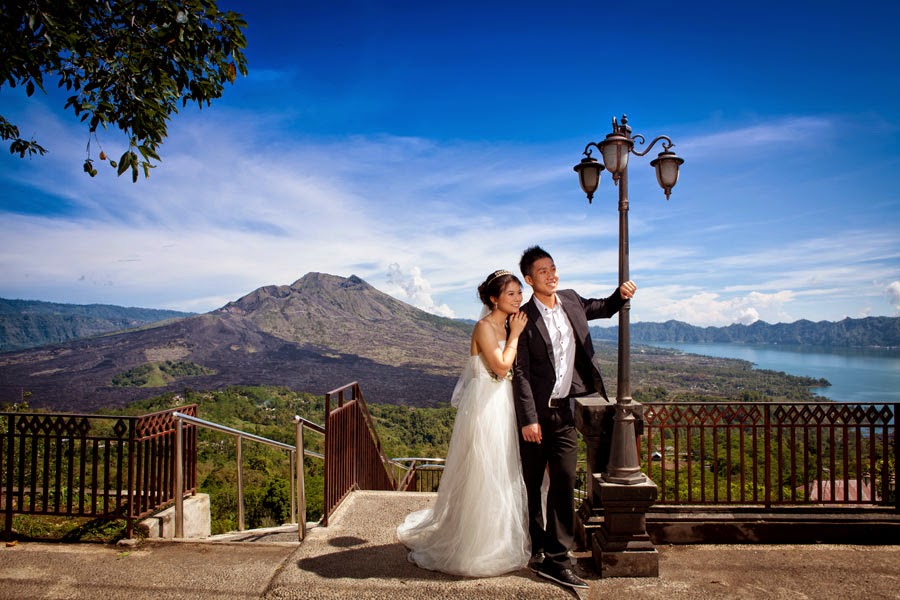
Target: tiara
[{"x": 497, "y": 274}]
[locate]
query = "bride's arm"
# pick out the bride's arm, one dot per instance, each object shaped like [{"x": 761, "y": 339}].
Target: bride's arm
[{"x": 499, "y": 361}]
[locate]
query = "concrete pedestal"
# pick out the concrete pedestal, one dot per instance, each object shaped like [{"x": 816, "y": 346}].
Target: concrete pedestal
[
  {"x": 594, "y": 420},
  {"x": 621, "y": 545},
  {"x": 612, "y": 520}
]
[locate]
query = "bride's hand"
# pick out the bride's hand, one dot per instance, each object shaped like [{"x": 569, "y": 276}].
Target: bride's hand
[{"x": 517, "y": 323}]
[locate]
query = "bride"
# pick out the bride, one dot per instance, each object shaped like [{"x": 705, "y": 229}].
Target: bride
[{"x": 478, "y": 525}]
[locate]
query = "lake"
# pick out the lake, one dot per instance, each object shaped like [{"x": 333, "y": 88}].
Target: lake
[{"x": 856, "y": 374}]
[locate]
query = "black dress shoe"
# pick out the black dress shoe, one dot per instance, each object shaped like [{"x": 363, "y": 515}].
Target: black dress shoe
[
  {"x": 536, "y": 560},
  {"x": 561, "y": 575}
]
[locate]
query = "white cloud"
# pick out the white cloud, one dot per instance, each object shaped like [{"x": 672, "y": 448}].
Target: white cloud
[
  {"x": 234, "y": 208},
  {"x": 893, "y": 295},
  {"x": 799, "y": 130},
  {"x": 748, "y": 316},
  {"x": 711, "y": 309},
  {"x": 415, "y": 290}
]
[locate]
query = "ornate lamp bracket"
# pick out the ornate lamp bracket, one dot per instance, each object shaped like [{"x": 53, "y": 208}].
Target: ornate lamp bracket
[{"x": 638, "y": 138}]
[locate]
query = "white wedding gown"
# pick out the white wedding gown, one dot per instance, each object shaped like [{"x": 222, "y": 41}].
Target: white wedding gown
[{"x": 478, "y": 524}]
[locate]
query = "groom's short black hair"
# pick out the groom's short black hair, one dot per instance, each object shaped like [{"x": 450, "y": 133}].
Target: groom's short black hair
[{"x": 531, "y": 256}]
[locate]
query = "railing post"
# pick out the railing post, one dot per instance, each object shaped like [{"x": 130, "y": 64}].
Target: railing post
[
  {"x": 293, "y": 480},
  {"x": 896, "y": 459},
  {"x": 767, "y": 443},
  {"x": 328, "y": 476},
  {"x": 132, "y": 450},
  {"x": 179, "y": 479},
  {"x": 10, "y": 447},
  {"x": 301, "y": 482},
  {"x": 240, "y": 484}
]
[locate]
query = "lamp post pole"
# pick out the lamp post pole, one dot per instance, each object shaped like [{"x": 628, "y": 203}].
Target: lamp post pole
[
  {"x": 620, "y": 492},
  {"x": 623, "y": 466}
]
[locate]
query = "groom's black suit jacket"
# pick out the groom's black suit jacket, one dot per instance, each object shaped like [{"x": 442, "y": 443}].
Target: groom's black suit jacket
[{"x": 533, "y": 372}]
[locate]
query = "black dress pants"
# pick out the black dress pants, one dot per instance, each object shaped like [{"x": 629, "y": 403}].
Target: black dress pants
[{"x": 558, "y": 454}]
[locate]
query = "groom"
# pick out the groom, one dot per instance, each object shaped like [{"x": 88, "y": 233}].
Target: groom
[{"x": 554, "y": 363}]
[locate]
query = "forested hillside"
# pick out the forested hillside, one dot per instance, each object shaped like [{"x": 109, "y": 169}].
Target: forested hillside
[
  {"x": 659, "y": 375},
  {"x": 880, "y": 332},
  {"x": 31, "y": 323}
]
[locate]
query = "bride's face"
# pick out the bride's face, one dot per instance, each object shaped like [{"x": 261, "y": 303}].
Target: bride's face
[{"x": 510, "y": 298}]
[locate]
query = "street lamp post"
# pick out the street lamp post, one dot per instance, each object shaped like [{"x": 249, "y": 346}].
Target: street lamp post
[
  {"x": 621, "y": 545},
  {"x": 623, "y": 466}
]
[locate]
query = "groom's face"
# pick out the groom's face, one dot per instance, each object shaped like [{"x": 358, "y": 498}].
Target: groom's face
[{"x": 543, "y": 279}]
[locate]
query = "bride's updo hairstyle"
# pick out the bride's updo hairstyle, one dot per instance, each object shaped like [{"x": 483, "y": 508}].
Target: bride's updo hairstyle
[{"x": 493, "y": 286}]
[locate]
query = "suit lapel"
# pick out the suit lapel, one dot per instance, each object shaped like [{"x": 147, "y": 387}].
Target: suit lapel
[
  {"x": 576, "y": 323},
  {"x": 537, "y": 318}
]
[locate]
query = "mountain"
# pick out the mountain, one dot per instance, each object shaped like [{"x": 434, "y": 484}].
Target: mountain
[
  {"x": 881, "y": 332},
  {"x": 352, "y": 316},
  {"x": 31, "y": 323},
  {"x": 317, "y": 334}
]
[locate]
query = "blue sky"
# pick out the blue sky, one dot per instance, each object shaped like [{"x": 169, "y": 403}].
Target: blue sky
[{"x": 420, "y": 146}]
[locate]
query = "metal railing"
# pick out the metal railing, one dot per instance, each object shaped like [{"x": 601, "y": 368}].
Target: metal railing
[
  {"x": 93, "y": 466},
  {"x": 353, "y": 455},
  {"x": 820, "y": 453},
  {"x": 743, "y": 454},
  {"x": 239, "y": 436},
  {"x": 767, "y": 454},
  {"x": 301, "y": 425},
  {"x": 130, "y": 467},
  {"x": 418, "y": 474}
]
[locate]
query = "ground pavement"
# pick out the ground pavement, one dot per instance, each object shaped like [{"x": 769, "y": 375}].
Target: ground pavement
[{"x": 358, "y": 556}]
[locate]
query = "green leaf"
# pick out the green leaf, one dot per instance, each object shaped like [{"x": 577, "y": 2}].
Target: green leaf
[
  {"x": 147, "y": 152},
  {"x": 123, "y": 162}
]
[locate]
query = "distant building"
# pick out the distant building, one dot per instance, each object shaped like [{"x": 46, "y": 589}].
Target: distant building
[{"x": 835, "y": 491}]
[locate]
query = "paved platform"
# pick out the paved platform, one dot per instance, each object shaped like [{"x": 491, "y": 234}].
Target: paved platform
[{"x": 357, "y": 556}]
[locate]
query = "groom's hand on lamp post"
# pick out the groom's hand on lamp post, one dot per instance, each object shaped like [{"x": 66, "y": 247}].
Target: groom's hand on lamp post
[
  {"x": 627, "y": 289},
  {"x": 532, "y": 433}
]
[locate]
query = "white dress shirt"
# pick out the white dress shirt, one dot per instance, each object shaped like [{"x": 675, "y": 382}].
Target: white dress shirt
[{"x": 562, "y": 337}]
